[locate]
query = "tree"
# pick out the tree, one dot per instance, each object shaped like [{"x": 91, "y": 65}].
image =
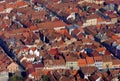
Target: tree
[
  {"x": 45, "y": 78},
  {"x": 16, "y": 78}
]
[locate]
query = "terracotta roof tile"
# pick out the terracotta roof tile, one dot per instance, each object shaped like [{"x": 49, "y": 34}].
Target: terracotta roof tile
[
  {"x": 21, "y": 3},
  {"x": 116, "y": 62},
  {"x": 82, "y": 63},
  {"x": 70, "y": 57},
  {"x": 53, "y": 51},
  {"x": 98, "y": 59},
  {"x": 89, "y": 70},
  {"x": 107, "y": 58},
  {"x": 115, "y": 37},
  {"x": 51, "y": 25},
  {"x": 100, "y": 49},
  {"x": 1, "y": 9},
  {"x": 33, "y": 48},
  {"x": 9, "y": 6},
  {"x": 90, "y": 60}
]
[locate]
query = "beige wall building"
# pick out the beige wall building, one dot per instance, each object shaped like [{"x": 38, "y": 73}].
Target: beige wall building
[
  {"x": 13, "y": 67},
  {"x": 107, "y": 61}
]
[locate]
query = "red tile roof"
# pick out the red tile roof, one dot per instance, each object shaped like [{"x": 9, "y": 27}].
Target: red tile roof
[
  {"x": 9, "y": 6},
  {"x": 100, "y": 49},
  {"x": 90, "y": 60},
  {"x": 51, "y": 25},
  {"x": 53, "y": 51},
  {"x": 82, "y": 62},
  {"x": 107, "y": 58},
  {"x": 21, "y": 3},
  {"x": 1, "y": 9},
  {"x": 98, "y": 59},
  {"x": 116, "y": 62}
]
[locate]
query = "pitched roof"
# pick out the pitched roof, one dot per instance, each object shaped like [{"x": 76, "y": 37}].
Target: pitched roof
[
  {"x": 1, "y": 8},
  {"x": 100, "y": 49},
  {"x": 116, "y": 62},
  {"x": 82, "y": 62},
  {"x": 21, "y": 3},
  {"x": 9, "y": 5},
  {"x": 89, "y": 70},
  {"x": 98, "y": 59},
  {"x": 71, "y": 58},
  {"x": 53, "y": 51},
  {"x": 51, "y": 25},
  {"x": 58, "y": 62},
  {"x": 90, "y": 60},
  {"x": 107, "y": 58}
]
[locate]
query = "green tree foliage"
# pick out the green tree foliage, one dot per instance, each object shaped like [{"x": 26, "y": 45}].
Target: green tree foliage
[
  {"x": 45, "y": 78},
  {"x": 16, "y": 78}
]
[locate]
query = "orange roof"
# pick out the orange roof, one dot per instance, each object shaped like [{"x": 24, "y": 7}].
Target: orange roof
[
  {"x": 53, "y": 51},
  {"x": 33, "y": 48},
  {"x": 116, "y": 62},
  {"x": 81, "y": 29},
  {"x": 98, "y": 58},
  {"x": 100, "y": 49},
  {"x": 107, "y": 58},
  {"x": 1, "y": 62},
  {"x": 82, "y": 62},
  {"x": 62, "y": 31},
  {"x": 4, "y": 25},
  {"x": 107, "y": 52},
  {"x": 86, "y": 40},
  {"x": 34, "y": 74},
  {"x": 99, "y": 19},
  {"x": 21, "y": 3},
  {"x": 75, "y": 10},
  {"x": 46, "y": 72},
  {"x": 73, "y": 72},
  {"x": 26, "y": 34},
  {"x": 29, "y": 65},
  {"x": 118, "y": 41},
  {"x": 67, "y": 34},
  {"x": 98, "y": 26},
  {"x": 32, "y": 28},
  {"x": 1, "y": 9},
  {"x": 9, "y": 6},
  {"x": 51, "y": 25},
  {"x": 115, "y": 37},
  {"x": 25, "y": 49},
  {"x": 90, "y": 60},
  {"x": 68, "y": 10}
]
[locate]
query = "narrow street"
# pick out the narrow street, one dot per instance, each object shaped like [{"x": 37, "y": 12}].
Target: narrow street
[
  {"x": 10, "y": 53},
  {"x": 108, "y": 47},
  {"x": 56, "y": 14}
]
